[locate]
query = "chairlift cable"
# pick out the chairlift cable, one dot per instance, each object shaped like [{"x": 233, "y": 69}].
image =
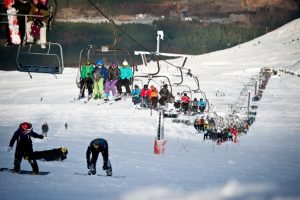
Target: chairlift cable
[{"x": 127, "y": 34}]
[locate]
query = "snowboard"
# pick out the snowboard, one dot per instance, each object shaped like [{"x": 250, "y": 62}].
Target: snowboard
[
  {"x": 22, "y": 172},
  {"x": 57, "y": 154},
  {"x": 98, "y": 175},
  {"x": 13, "y": 24}
]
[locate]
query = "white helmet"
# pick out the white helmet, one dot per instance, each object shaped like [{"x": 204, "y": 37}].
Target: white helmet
[{"x": 125, "y": 63}]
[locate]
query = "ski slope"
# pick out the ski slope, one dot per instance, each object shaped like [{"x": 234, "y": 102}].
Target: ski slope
[{"x": 263, "y": 165}]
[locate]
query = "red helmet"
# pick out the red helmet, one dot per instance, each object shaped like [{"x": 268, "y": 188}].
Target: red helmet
[{"x": 26, "y": 127}]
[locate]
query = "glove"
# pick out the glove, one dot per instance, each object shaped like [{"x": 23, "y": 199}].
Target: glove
[
  {"x": 88, "y": 164},
  {"x": 9, "y": 149}
]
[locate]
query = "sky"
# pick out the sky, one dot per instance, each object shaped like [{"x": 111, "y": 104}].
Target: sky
[{"x": 263, "y": 164}]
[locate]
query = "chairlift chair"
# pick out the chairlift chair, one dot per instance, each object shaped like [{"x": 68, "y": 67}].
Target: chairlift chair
[
  {"x": 106, "y": 53},
  {"x": 31, "y": 58}
]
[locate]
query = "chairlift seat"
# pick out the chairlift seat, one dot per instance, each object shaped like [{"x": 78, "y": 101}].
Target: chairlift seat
[{"x": 40, "y": 69}]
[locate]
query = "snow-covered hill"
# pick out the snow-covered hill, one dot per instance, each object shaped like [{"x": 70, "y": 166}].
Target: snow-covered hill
[{"x": 263, "y": 165}]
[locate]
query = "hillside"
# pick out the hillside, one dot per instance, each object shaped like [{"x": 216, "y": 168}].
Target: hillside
[{"x": 178, "y": 8}]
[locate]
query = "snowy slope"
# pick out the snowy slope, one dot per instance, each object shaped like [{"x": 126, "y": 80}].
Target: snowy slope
[{"x": 264, "y": 165}]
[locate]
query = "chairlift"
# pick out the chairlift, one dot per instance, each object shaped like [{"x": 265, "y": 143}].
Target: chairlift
[
  {"x": 106, "y": 53},
  {"x": 155, "y": 74},
  {"x": 31, "y": 58}
]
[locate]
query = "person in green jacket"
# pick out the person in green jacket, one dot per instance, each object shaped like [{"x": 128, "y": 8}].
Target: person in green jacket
[
  {"x": 86, "y": 79},
  {"x": 125, "y": 78}
]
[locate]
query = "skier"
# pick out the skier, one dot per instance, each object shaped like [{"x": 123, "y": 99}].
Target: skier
[
  {"x": 185, "y": 100},
  {"x": 35, "y": 27},
  {"x": 202, "y": 105},
  {"x": 195, "y": 105},
  {"x": 164, "y": 95},
  {"x": 96, "y": 146},
  {"x": 86, "y": 79},
  {"x": 98, "y": 80},
  {"x": 177, "y": 100},
  {"x": 24, "y": 147},
  {"x": 153, "y": 97},
  {"x": 45, "y": 129},
  {"x": 112, "y": 79},
  {"x": 125, "y": 78},
  {"x": 136, "y": 95},
  {"x": 145, "y": 94}
]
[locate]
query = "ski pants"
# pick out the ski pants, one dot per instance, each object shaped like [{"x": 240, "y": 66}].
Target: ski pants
[
  {"x": 111, "y": 85},
  {"x": 106, "y": 162},
  {"x": 98, "y": 88},
  {"x": 124, "y": 82},
  {"x": 88, "y": 82},
  {"x": 22, "y": 151},
  {"x": 42, "y": 39}
]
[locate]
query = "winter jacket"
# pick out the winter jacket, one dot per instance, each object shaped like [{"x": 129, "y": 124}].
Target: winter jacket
[
  {"x": 164, "y": 92},
  {"x": 104, "y": 72},
  {"x": 185, "y": 99},
  {"x": 103, "y": 148},
  {"x": 23, "y": 140},
  {"x": 42, "y": 10},
  {"x": 145, "y": 92},
  {"x": 45, "y": 128},
  {"x": 202, "y": 103},
  {"x": 125, "y": 73},
  {"x": 86, "y": 71},
  {"x": 96, "y": 74},
  {"x": 136, "y": 92},
  {"x": 113, "y": 73},
  {"x": 153, "y": 92},
  {"x": 195, "y": 103}
]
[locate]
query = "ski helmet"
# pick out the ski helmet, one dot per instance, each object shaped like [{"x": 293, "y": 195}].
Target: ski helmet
[
  {"x": 125, "y": 63},
  {"x": 26, "y": 127},
  {"x": 99, "y": 62},
  {"x": 114, "y": 64}
]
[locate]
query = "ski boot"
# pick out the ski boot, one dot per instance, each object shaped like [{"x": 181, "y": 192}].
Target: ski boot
[
  {"x": 92, "y": 170},
  {"x": 109, "y": 172}
]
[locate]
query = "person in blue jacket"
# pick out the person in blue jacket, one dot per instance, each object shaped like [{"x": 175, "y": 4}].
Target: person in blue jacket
[
  {"x": 136, "y": 95},
  {"x": 24, "y": 147},
  {"x": 202, "y": 105},
  {"x": 95, "y": 147},
  {"x": 125, "y": 78}
]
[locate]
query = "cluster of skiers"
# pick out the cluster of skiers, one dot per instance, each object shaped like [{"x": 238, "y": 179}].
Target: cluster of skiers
[
  {"x": 207, "y": 126},
  {"x": 24, "y": 150},
  {"x": 103, "y": 81},
  {"x": 34, "y": 19}
]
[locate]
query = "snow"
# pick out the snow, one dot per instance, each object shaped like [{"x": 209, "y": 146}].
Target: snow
[{"x": 263, "y": 165}]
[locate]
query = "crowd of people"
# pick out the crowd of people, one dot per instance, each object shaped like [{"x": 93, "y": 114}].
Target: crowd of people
[
  {"x": 207, "y": 126},
  {"x": 103, "y": 81},
  {"x": 34, "y": 19}
]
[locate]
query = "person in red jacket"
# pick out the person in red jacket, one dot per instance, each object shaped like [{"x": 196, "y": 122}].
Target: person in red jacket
[
  {"x": 185, "y": 100},
  {"x": 145, "y": 94},
  {"x": 24, "y": 147}
]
